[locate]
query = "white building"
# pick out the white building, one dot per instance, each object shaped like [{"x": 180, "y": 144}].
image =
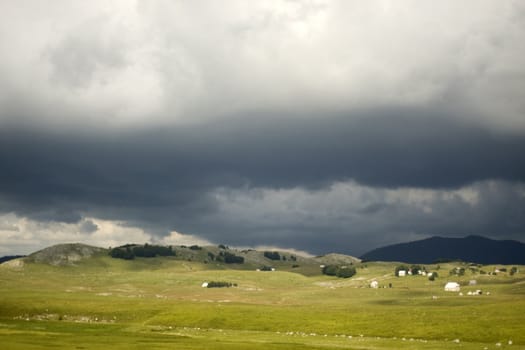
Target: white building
[{"x": 452, "y": 287}]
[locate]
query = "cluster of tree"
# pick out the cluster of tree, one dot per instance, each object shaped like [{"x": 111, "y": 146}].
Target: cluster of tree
[
  {"x": 513, "y": 270},
  {"x": 221, "y": 284},
  {"x": 130, "y": 251},
  {"x": 277, "y": 256},
  {"x": 400, "y": 268},
  {"x": 458, "y": 271},
  {"x": 339, "y": 271},
  {"x": 432, "y": 276},
  {"x": 195, "y": 247},
  {"x": 230, "y": 258},
  {"x": 412, "y": 270},
  {"x": 272, "y": 255}
]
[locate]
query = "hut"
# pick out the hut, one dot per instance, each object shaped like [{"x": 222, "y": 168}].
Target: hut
[{"x": 452, "y": 287}]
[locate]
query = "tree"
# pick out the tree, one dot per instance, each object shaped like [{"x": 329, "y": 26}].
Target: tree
[
  {"x": 346, "y": 272},
  {"x": 399, "y": 268},
  {"x": 330, "y": 270},
  {"x": 414, "y": 269},
  {"x": 230, "y": 258},
  {"x": 272, "y": 255},
  {"x": 122, "y": 253},
  {"x": 339, "y": 271}
]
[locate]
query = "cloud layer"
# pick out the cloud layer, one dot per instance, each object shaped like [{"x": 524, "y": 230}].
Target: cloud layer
[{"x": 311, "y": 125}]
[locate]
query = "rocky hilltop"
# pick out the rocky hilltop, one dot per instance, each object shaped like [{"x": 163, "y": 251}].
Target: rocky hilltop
[{"x": 64, "y": 254}]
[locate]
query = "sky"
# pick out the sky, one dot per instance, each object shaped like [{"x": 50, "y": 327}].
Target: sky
[{"x": 320, "y": 126}]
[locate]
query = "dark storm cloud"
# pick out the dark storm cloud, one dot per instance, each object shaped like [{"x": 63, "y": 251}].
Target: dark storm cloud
[
  {"x": 339, "y": 218},
  {"x": 163, "y": 178}
]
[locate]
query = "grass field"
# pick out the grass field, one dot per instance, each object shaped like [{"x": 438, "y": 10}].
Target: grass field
[{"x": 159, "y": 303}]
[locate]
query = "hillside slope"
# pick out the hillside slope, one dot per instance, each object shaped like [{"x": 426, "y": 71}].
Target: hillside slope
[
  {"x": 472, "y": 248},
  {"x": 212, "y": 256},
  {"x": 64, "y": 254}
]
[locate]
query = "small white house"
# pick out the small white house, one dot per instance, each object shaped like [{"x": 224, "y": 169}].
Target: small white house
[
  {"x": 452, "y": 287},
  {"x": 401, "y": 273},
  {"x": 374, "y": 284},
  {"x": 204, "y": 285}
]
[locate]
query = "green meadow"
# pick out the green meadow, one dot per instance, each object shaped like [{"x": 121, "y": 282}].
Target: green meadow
[{"x": 159, "y": 303}]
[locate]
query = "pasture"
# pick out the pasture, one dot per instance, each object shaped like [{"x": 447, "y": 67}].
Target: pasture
[{"x": 158, "y": 303}]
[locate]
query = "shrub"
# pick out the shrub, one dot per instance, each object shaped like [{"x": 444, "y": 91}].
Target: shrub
[
  {"x": 195, "y": 247},
  {"x": 219, "y": 284}
]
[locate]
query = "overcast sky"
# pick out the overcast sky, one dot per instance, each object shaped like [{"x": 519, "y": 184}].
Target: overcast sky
[{"x": 322, "y": 126}]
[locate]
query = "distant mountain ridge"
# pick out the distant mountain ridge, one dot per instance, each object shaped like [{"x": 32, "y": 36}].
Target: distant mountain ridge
[
  {"x": 475, "y": 249},
  {"x": 10, "y": 257}
]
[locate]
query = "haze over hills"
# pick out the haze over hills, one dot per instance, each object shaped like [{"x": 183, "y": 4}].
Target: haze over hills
[{"x": 471, "y": 248}]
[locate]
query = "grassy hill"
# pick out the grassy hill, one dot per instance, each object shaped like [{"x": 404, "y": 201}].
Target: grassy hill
[
  {"x": 159, "y": 303},
  {"x": 74, "y": 254}
]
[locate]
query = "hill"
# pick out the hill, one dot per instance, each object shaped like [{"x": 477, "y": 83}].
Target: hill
[
  {"x": 6, "y": 258},
  {"x": 472, "y": 249},
  {"x": 215, "y": 257},
  {"x": 159, "y": 302},
  {"x": 337, "y": 259},
  {"x": 64, "y": 254}
]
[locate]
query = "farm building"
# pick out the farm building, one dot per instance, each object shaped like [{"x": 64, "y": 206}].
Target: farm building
[
  {"x": 452, "y": 287},
  {"x": 374, "y": 284},
  {"x": 402, "y": 273}
]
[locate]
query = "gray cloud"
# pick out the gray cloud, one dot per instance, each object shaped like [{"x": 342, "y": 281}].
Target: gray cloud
[
  {"x": 150, "y": 113},
  {"x": 167, "y": 179}
]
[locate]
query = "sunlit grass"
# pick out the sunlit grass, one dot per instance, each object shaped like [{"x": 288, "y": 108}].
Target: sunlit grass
[{"x": 160, "y": 303}]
